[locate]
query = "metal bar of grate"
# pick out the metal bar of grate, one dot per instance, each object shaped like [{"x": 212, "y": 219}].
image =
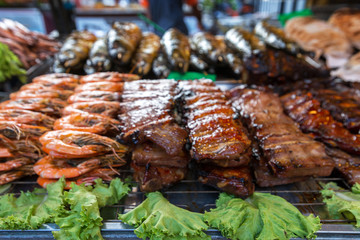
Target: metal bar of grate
[{"x": 192, "y": 195}]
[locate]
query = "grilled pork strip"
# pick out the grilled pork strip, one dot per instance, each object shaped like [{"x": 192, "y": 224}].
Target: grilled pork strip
[
  {"x": 303, "y": 108},
  {"x": 216, "y": 137},
  {"x": 289, "y": 152},
  {"x": 237, "y": 181},
  {"x": 219, "y": 142},
  {"x": 347, "y": 165},
  {"x": 343, "y": 109},
  {"x": 146, "y": 112},
  {"x": 152, "y": 178}
]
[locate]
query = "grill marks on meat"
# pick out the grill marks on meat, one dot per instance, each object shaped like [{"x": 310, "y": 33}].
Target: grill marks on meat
[
  {"x": 219, "y": 142},
  {"x": 347, "y": 165},
  {"x": 146, "y": 113},
  {"x": 343, "y": 109},
  {"x": 153, "y": 178},
  {"x": 307, "y": 111},
  {"x": 237, "y": 180},
  {"x": 288, "y": 152},
  {"x": 216, "y": 137}
]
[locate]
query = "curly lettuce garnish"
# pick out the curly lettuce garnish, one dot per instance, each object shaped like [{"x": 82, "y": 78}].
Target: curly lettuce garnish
[
  {"x": 342, "y": 203},
  {"x": 80, "y": 217},
  {"x": 261, "y": 216},
  {"x": 31, "y": 209},
  {"x": 156, "y": 218}
]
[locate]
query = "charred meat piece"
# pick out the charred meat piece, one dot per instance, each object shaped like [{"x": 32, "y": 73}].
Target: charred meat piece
[
  {"x": 216, "y": 137},
  {"x": 99, "y": 59},
  {"x": 122, "y": 41},
  {"x": 347, "y": 165},
  {"x": 303, "y": 108},
  {"x": 344, "y": 109},
  {"x": 289, "y": 152},
  {"x": 153, "y": 178},
  {"x": 150, "y": 152},
  {"x": 237, "y": 181},
  {"x": 177, "y": 49},
  {"x": 262, "y": 172},
  {"x": 146, "y": 113},
  {"x": 146, "y": 53}
]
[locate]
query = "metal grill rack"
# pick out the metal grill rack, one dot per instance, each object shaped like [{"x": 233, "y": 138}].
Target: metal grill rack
[
  {"x": 194, "y": 196},
  {"x": 190, "y": 194}
]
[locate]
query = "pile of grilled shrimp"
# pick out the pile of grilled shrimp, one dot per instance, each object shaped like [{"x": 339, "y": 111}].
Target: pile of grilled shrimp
[{"x": 63, "y": 125}]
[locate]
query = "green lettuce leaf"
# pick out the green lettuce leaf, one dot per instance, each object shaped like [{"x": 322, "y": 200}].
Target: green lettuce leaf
[
  {"x": 156, "y": 218},
  {"x": 261, "y": 216},
  {"x": 31, "y": 209},
  {"x": 110, "y": 194},
  {"x": 80, "y": 217},
  {"x": 343, "y": 203}
]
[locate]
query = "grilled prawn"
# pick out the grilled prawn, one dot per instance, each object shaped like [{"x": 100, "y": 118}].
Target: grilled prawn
[
  {"x": 106, "y": 174},
  {"x": 87, "y": 96},
  {"x": 75, "y": 144},
  {"x": 49, "y": 106},
  {"x": 41, "y": 93},
  {"x": 101, "y": 86},
  {"x": 26, "y": 117},
  {"x": 87, "y": 122},
  {"x": 110, "y": 109},
  {"x": 109, "y": 77}
]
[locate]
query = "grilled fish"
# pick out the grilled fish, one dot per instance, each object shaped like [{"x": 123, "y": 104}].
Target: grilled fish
[
  {"x": 146, "y": 53},
  {"x": 177, "y": 49},
  {"x": 99, "y": 59},
  {"x": 122, "y": 40}
]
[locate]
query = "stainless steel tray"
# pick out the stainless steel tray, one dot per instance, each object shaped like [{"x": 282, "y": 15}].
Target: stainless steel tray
[{"x": 192, "y": 195}]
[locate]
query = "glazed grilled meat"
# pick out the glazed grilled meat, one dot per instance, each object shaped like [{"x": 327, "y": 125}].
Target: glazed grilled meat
[
  {"x": 303, "y": 108},
  {"x": 218, "y": 140},
  {"x": 263, "y": 175},
  {"x": 343, "y": 109},
  {"x": 237, "y": 181},
  {"x": 289, "y": 152},
  {"x": 153, "y": 178},
  {"x": 216, "y": 137},
  {"x": 148, "y": 124},
  {"x": 347, "y": 165}
]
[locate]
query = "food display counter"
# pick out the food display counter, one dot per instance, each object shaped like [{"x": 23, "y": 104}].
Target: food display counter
[{"x": 278, "y": 122}]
